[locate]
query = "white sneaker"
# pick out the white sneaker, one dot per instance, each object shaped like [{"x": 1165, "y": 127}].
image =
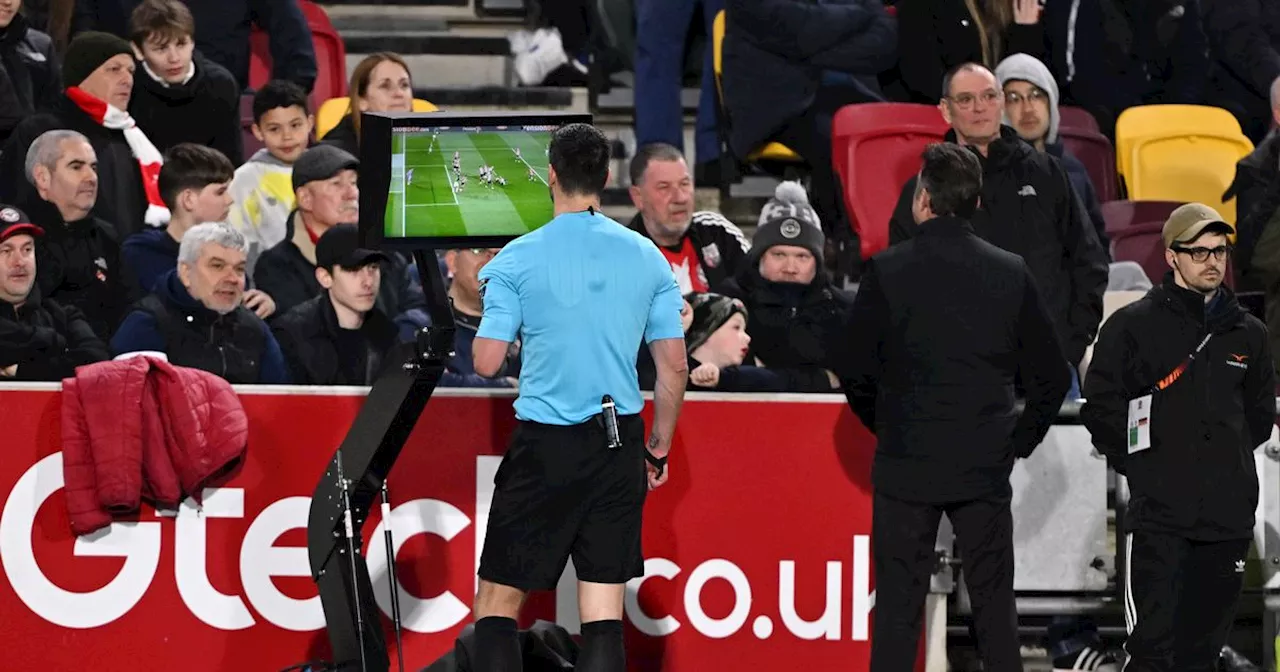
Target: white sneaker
[{"x": 543, "y": 53}]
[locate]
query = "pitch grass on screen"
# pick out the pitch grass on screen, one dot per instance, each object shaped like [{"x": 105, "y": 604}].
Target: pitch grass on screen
[{"x": 435, "y": 203}]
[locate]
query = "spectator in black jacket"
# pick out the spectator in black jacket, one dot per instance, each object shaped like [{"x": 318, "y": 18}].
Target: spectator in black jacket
[
  {"x": 1180, "y": 392},
  {"x": 1259, "y": 170},
  {"x": 1028, "y": 207},
  {"x": 324, "y": 180},
  {"x": 703, "y": 247},
  {"x": 79, "y": 255},
  {"x": 222, "y": 33},
  {"x": 40, "y": 340},
  {"x": 1031, "y": 108},
  {"x": 195, "y": 316},
  {"x": 795, "y": 312},
  {"x": 339, "y": 337},
  {"x": 775, "y": 55},
  {"x": 29, "y": 76},
  {"x": 179, "y": 96},
  {"x": 941, "y": 327},
  {"x": 98, "y": 69},
  {"x": 1244, "y": 45}
]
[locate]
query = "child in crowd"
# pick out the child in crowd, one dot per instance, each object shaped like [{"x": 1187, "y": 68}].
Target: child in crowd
[{"x": 263, "y": 186}]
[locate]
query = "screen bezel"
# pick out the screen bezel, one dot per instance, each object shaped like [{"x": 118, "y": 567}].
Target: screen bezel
[{"x": 376, "y": 130}]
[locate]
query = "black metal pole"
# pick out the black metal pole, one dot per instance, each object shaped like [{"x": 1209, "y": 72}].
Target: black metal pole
[
  {"x": 351, "y": 550},
  {"x": 391, "y": 572}
]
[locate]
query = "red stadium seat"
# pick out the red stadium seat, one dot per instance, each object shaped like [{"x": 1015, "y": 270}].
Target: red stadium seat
[
  {"x": 1121, "y": 215},
  {"x": 331, "y": 56},
  {"x": 1076, "y": 118},
  {"x": 251, "y": 142},
  {"x": 1099, "y": 158},
  {"x": 876, "y": 149},
  {"x": 1141, "y": 243}
]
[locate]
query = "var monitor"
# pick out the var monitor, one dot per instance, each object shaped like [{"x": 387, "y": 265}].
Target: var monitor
[{"x": 441, "y": 179}]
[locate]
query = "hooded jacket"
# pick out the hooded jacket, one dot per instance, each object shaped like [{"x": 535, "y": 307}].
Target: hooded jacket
[
  {"x": 122, "y": 203},
  {"x": 1198, "y": 478},
  {"x": 237, "y": 346},
  {"x": 46, "y": 340},
  {"x": 313, "y": 344},
  {"x": 29, "y": 73},
  {"x": 264, "y": 197},
  {"x": 149, "y": 255},
  {"x": 204, "y": 110},
  {"x": 1029, "y": 208}
]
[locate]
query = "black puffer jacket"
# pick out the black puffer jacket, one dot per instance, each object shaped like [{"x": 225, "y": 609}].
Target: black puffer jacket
[
  {"x": 1198, "y": 478},
  {"x": 78, "y": 264},
  {"x": 205, "y": 110},
  {"x": 29, "y": 77},
  {"x": 46, "y": 340},
  {"x": 1029, "y": 208},
  {"x": 310, "y": 337},
  {"x": 792, "y": 326}
]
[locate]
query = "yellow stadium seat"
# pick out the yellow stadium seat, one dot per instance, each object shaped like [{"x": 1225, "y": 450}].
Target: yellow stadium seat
[
  {"x": 772, "y": 151},
  {"x": 333, "y": 110},
  {"x": 1165, "y": 121},
  {"x": 1192, "y": 167}
]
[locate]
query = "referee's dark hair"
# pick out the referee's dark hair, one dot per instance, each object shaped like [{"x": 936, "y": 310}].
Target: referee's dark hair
[
  {"x": 579, "y": 153},
  {"x": 953, "y": 178}
]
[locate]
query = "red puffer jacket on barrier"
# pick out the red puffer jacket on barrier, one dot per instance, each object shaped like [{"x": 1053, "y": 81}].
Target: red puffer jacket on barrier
[{"x": 141, "y": 428}]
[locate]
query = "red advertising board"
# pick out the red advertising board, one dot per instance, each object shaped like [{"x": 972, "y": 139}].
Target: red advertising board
[{"x": 757, "y": 550}]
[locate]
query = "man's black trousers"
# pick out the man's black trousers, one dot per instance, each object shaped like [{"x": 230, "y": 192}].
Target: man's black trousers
[
  {"x": 903, "y": 538},
  {"x": 1180, "y": 600}
]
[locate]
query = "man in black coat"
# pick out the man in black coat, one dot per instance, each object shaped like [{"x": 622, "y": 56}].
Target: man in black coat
[
  {"x": 1180, "y": 393},
  {"x": 1028, "y": 207},
  {"x": 1244, "y": 46},
  {"x": 941, "y": 327},
  {"x": 40, "y": 340},
  {"x": 339, "y": 337}
]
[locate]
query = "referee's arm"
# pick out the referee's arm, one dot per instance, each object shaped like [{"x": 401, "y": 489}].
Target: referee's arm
[
  {"x": 664, "y": 333},
  {"x": 501, "y": 320}
]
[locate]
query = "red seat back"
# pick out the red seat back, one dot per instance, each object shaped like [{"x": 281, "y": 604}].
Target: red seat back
[
  {"x": 251, "y": 142},
  {"x": 331, "y": 56},
  {"x": 1121, "y": 215},
  {"x": 1099, "y": 158},
  {"x": 1076, "y": 118},
  {"x": 876, "y": 149},
  {"x": 1141, "y": 243}
]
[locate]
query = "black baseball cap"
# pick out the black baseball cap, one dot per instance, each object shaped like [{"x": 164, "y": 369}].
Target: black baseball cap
[
  {"x": 340, "y": 246},
  {"x": 321, "y": 162},
  {"x": 14, "y": 222}
]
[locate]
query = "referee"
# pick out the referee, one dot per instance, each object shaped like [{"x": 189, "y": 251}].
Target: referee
[{"x": 581, "y": 292}]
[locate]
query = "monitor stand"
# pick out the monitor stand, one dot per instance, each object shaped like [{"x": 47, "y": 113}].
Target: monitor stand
[{"x": 364, "y": 459}]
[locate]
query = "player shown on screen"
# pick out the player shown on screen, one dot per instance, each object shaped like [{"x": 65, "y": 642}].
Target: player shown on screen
[
  {"x": 408, "y": 176},
  {"x": 518, "y": 154},
  {"x": 533, "y": 175},
  {"x": 502, "y": 181}
]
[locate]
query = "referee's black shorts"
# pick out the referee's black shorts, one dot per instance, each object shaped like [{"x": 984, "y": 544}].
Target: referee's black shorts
[{"x": 561, "y": 492}]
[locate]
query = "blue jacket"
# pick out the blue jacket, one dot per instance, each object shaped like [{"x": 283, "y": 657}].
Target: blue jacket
[{"x": 150, "y": 254}]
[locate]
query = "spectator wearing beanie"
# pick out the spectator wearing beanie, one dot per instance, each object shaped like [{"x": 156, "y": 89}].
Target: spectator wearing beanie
[
  {"x": 29, "y": 78},
  {"x": 98, "y": 71},
  {"x": 717, "y": 341},
  {"x": 795, "y": 310},
  {"x": 178, "y": 95}
]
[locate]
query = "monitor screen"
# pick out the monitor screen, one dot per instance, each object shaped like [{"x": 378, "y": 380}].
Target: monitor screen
[{"x": 446, "y": 180}]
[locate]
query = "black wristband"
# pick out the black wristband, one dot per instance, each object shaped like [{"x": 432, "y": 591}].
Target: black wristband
[{"x": 659, "y": 463}]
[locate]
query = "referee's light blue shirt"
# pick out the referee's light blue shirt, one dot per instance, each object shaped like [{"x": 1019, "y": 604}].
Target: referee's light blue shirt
[{"x": 581, "y": 292}]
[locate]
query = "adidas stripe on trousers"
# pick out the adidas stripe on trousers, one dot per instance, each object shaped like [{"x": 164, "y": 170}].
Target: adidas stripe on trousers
[{"x": 1180, "y": 599}]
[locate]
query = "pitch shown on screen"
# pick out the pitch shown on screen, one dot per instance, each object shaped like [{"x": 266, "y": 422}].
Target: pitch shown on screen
[{"x": 468, "y": 181}]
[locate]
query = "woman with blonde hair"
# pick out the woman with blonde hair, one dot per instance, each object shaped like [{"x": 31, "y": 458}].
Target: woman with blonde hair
[{"x": 380, "y": 83}]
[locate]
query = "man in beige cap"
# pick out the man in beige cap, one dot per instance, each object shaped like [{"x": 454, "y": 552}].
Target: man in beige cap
[{"x": 1180, "y": 393}]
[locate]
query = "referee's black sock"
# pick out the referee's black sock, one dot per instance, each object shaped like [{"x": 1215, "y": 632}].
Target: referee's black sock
[
  {"x": 602, "y": 649},
  {"x": 497, "y": 645}
]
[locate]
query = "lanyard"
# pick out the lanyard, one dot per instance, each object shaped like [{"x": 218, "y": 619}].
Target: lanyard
[{"x": 1182, "y": 368}]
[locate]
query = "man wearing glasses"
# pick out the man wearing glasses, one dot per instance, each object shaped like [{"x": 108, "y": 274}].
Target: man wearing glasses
[
  {"x": 1181, "y": 391},
  {"x": 1028, "y": 207}
]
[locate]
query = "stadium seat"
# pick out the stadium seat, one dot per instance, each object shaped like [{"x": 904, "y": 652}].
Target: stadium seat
[
  {"x": 1165, "y": 121},
  {"x": 331, "y": 55},
  {"x": 1121, "y": 215},
  {"x": 1076, "y": 118},
  {"x": 1192, "y": 167},
  {"x": 773, "y": 151},
  {"x": 333, "y": 110},
  {"x": 876, "y": 148},
  {"x": 1095, "y": 152},
  {"x": 251, "y": 142},
  {"x": 1141, "y": 243}
]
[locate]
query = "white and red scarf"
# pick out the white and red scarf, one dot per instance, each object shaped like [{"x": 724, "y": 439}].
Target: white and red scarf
[{"x": 149, "y": 158}]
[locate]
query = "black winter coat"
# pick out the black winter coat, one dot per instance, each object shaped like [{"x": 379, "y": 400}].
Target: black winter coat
[
  {"x": 309, "y": 335},
  {"x": 1244, "y": 45},
  {"x": 122, "y": 203},
  {"x": 1198, "y": 478},
  {"x": 1029, "y": 208},
  {"x": 343, "y": 136},
  {"x": 941, "y": 328},
  {"x": 205, "y": 110},
  {"x": 775, "y": 52},
  {"x": 46, "y": 340},
  {"x": 78, "y": 264},
  {"x": 29, "y": 75},
  {"x": 793, "y": 326}
]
